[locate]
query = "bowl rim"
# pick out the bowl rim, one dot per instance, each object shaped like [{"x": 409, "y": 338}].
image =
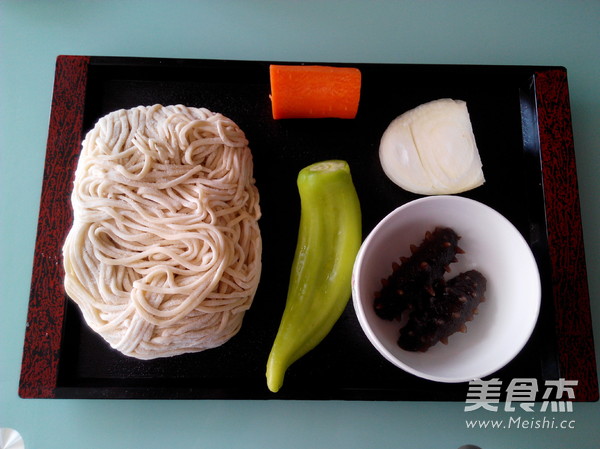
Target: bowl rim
[{"x": 375, "y": 341}]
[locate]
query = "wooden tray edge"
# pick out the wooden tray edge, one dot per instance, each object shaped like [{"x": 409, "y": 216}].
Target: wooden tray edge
[
  {"x": 39, "y": 369},
  {"x": 565, "y": 234}
]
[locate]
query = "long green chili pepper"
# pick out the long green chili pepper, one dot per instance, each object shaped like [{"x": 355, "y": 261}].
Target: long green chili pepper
[{"x": 329, "y": 238}]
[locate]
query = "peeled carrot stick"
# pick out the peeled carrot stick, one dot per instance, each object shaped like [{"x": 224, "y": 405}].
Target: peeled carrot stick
[{"x": 314, "y": 91}]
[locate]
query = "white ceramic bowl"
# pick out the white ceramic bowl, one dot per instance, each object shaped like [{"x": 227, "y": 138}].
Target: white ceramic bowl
[{"x": 493, "y": 246}]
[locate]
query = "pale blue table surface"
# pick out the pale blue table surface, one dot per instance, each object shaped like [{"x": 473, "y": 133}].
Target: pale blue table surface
[{"x": 33, "y": 33}]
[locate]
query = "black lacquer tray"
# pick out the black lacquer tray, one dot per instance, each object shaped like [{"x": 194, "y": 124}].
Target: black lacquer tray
[{"x": 522, "y": 123}]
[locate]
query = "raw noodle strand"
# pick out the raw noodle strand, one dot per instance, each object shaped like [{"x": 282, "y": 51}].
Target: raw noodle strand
[{"x": 164, "y": 256}]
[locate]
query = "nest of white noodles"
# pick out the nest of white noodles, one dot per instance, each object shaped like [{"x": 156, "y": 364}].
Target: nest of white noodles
[{"x": 164, "y": 256}]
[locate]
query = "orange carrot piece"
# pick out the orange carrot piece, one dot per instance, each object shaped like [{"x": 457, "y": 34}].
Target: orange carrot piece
[{"x": 314, "y": 91}]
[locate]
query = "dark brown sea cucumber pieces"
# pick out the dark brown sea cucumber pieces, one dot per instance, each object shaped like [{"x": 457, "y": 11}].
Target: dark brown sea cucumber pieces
[
  {"x": 438, "y": 317},
  {"x": 415, "y": 277},
  {"x": 436, "y": 308}
]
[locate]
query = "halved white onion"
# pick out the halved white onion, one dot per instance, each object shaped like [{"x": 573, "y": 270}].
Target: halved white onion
[{"x": 431, "y": 149}]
